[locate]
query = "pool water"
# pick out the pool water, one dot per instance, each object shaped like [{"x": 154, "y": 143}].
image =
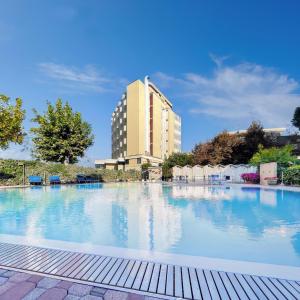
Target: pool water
[{"x": 230, "y": 222}]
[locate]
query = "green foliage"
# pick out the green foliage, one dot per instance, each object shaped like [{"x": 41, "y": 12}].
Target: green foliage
[
  {"x": 291, "y": 175},
  {"x": 176, "y": 159},
  {"x": 11, "y": 119},
  {"x": 11, "y": 172},
  {"x": 283, "y": 156},
  {"x": 228, "y": 148},
  {"x": 296, "y": 118},
  {"x": 145, "y": 166},
  {"x": 220, "y": 150},
  {"x": 61, "y": 136}
]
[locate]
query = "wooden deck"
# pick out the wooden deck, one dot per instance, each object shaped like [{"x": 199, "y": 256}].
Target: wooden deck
[{"x": 158, "y": 279}]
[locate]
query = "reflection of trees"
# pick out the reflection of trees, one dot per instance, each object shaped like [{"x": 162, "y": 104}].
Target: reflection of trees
[
  {"x": 253, "y": 215},
  {"x": 35, "y": 213}
]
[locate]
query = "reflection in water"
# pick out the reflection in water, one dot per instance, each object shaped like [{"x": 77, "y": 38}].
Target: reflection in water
[{"x": 234, "y": 222}]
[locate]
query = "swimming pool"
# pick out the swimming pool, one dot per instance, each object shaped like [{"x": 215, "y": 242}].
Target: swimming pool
[{"x": 230, "y": 222}]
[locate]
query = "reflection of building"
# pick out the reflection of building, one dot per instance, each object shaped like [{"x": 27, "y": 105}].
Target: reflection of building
[
  {"x": 201, "y": 192},
  {"x": 144, "y": 128}
]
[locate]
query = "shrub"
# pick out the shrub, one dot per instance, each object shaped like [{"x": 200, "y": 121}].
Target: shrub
[
  {"x": 250, "y": 177},
  {"x": 11, "y": 172},
  {"x": 291, "y": 175}
]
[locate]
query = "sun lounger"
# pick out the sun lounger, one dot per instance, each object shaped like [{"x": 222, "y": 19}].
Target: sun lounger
[
  {"x": 54, "y": 179},
  {"x": 35, "y": 180}
]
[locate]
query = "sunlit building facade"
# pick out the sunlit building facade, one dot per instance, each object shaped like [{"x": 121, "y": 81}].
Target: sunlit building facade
[{"x": 145, "y": 129}]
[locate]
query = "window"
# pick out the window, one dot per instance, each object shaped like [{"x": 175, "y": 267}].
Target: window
[
  {"x": 138, "y": 161},
  {"x": 126, "y": 161}
]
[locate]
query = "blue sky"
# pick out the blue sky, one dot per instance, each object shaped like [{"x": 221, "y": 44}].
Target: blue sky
[{"x": 222, "y": 63}]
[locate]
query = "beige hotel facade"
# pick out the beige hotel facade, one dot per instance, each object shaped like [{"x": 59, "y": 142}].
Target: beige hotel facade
[{"x": 145, "y": 129}]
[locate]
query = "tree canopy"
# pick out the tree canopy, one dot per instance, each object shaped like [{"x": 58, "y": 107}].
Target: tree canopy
[
  {"x": 61, "y": 135},
  {"x": 220, "y": 150},
  {"x": 11, "y": 120},
  {"x": 296, "y": 118},
  {"x": 283, "y": 156}
]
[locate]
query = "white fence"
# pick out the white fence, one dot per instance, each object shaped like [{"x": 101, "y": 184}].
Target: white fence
[{"x": 231, "y": 173}]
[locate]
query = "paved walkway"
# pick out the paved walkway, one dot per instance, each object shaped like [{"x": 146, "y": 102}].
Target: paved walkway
[{"x": 18, "y": 285}]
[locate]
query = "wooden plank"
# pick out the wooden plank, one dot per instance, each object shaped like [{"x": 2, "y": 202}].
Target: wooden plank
[
  {"x": 170, "y": 281},
  {"x": 53, "y": 268},
  {"x": 119, "y": 272},
  {"x": 162, "y": 280},
  {"x": 272, "y": 288},
  {"x": 81, "y": 266},
  {"x": 290, "y": 288},
  {"x": 75, "y": 265},
  {"x": 112, "y": 271},
  {"x": 107, "y": 268},
  {"x": 154, "y": 278},
  {"x": 132, "y": 274},
  {"x": 42, "y": 260},
  {"x": 140, "y": 275},
  {"x": 147, "y": 277},
  {"x": 21, "y": 259},
  {"x": 211, "y": 285},
  {"x": 91, "y": 271},
  {"x": 87, "y": 267},
  {"x": 178, "y": 289},
  {"x": 12, "y": 255},
  {"x": 194, "y": 284},
  {"x": 100, "y": 268},
  {"x": 220, "y": 286},
  {"x": 205, "y": 293},
  {"x": 283, "y": 290},
  {"x": 229, "y": 288},
  {"x": 186, "y": 283},
  {"x": 126, "y": 273},
  {"x": 294, "y": 285},
  {"x": 68, "y": 264},
  {"x": 263, "y": 288},
  {"x": 255, "y": 288},
  {"x": 237, "y": 287},
  {"x": 246, "y": 287},
  {"x": 54, "y": 261}
]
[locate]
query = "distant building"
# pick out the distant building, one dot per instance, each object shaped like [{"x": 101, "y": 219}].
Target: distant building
[
  {"x": 273, "y": 131},
  {"x": 280, "y": 138},
  {"x": 145, "y": 129}
]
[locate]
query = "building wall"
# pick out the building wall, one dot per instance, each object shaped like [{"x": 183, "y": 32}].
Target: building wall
[
  {"x": 156, "y": 126},
  {"x": 129, "y": 125},
  {"x": 135, "y": 118}
]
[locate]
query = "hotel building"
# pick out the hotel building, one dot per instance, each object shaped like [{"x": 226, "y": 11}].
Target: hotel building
[{"x": 144, "y": 127}]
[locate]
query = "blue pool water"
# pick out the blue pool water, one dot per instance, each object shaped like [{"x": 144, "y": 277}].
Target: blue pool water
[{"x": 240, "y": 223}]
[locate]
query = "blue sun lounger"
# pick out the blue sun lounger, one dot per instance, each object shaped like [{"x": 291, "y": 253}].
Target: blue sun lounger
[
  {"x": 35, "y": 180},
  {"x": 54, "y": 179}
]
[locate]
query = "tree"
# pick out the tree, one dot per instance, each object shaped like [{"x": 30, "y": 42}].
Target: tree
[
  {"x": 296, "y": 118},
  {"x": 11, "y": 119},
  {"x": 176, "y": 159},
  {"x": 61, "y": 136},
  {"x": 283, "y": 156},
  {"x": 220, "y": 150}
]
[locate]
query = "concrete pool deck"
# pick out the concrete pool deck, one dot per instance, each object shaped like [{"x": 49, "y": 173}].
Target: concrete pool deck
[{"x": 143, "y": 277}]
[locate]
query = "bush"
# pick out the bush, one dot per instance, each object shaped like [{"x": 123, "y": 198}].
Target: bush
[
  {"x": 291, "y": 175},
  {"x": 11, "y": 173},
  {"x": 251, "y": 177}
]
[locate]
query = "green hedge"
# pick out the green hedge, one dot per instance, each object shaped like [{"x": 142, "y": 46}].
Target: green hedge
[
  {"x": 291, "y": 175},
  {"x": 11, "y": 173}
]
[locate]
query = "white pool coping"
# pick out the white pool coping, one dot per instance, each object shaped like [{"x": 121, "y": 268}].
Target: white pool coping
[{"x": 236, "y": 266}]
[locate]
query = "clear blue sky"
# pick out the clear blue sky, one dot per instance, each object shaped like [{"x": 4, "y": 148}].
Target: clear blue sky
[{"x": 222, "y": 63}]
